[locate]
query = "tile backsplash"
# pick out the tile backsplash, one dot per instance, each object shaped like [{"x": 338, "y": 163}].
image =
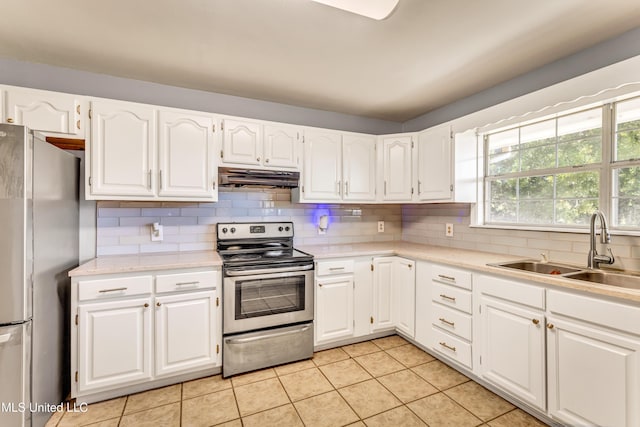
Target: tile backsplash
[
  {"x": 125, "y": 227},
  {"x": 426, "y": 224}
]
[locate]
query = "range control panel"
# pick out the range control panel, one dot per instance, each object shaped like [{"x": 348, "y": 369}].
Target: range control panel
[{"x": 252, "y": 230}]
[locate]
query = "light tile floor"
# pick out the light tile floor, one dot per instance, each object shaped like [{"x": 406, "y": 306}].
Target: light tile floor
[{"x": 384, "y": 382}]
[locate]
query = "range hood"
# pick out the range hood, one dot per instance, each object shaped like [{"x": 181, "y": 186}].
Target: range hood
[{"x": 241, "y": 177}]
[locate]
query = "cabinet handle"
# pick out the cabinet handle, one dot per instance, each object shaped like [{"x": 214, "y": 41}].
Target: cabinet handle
[
  {"x": 188, "y": 283},
  {"x": 550, "y": 325},
  {"x": 158, "y": 304},
  {"x": 149, "y": 178},
  {"x": 336, "y": 268},
  {"x": 258, "y": 159},
  {"x": 371, "y": 320},
  {"x": 449, "y": 278},
  {"x": 447, "y": 297},
  {"x": 346, "y": 188},
  {"x": 104, "y": 291},
  {"x": 78, "y": 108},
  {"x": 319, "y": 285},
  {"x": 9, "y": 120},
  {"x": 266, "y": 160},
  {"x": 161, "y": 179},
  {"x": 385, "y": 188},
  {"x": 445, "y": 321},
  {"x": 448, "y": 346},
  {"x": 410, "y": 266},
  {"x": 535, "y": 321},
  {"x": 146, "y": 305},
  {"x": 419, "y": 187},
  {"x": 78, "y": 124},
  {"x": 338, "y": 187},
  {"x": 214, "y": 184}
]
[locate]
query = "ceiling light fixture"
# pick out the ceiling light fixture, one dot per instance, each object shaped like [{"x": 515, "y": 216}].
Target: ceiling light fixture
[{"x": 374, "y": 9}]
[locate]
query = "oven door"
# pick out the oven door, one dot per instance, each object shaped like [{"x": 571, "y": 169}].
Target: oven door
[{"x": 264, "y": 300}]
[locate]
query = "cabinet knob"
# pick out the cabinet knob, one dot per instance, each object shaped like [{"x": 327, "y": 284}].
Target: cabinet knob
[
  {"x": 258, "y": 159},
  {"x": 158, "y": 304},
  {"x": 535, "y": 321},
  {"x": 266, "y": 160},
  {"x": 550, "y": 325},
  {"x": 9, "y": 120},
  {"x": 146, "y": 305},
  {"x": 78, "y": 124}
]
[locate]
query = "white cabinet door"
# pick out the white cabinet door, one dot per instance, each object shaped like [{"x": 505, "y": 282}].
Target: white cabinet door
[
  {"x": 423, "y": 303},
  {"x": 397, "y": 170},
  {"x": 593, "y": 375},
  {"x": 404, "y": 288},
  {"x": 383, "y": 294},
  {"x": 434, "y": 164},
  {"x": 185, "y": 332},
  {"x": 186, "y": 159},
  {"x": 334, "y": 308},
  {"x": 512, "y": 349},
  {"x": 114, "y": 343},
  {"x": 45, "y": 111},
  {"x": 322, "y": 166},
  {"x": 359, "y": 167},
  {"x": 242, "y": 142},
  {"x": 281, "y": 146},
  {"x": 123, "y": 140}
]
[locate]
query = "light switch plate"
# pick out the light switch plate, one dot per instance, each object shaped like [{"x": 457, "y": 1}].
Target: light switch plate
[{"x": 157, "y": 235}]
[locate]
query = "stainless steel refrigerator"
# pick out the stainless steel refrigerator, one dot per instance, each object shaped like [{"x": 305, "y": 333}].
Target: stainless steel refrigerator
[{"x": 38, "y": 246}]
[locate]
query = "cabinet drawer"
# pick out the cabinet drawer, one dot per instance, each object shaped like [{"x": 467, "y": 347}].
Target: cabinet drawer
[
  {"x": 451, "y": 321},
  {"x": 511, "y": 290},
  {"x": 324, "y": 268},
  {"x": 186, "y": 281},
  {"x": 116, "y": 287},
  {"x": 452, "y": 347},
  {"x": 451, "y": 276},
  {"x": 451, "y": 297}
]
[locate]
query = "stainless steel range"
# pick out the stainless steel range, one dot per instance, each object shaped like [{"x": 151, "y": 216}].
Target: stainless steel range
[{"x": 267, "y": 296}]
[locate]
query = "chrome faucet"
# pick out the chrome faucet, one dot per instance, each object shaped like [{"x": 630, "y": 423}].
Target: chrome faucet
[{"x": 596, "y": 259}]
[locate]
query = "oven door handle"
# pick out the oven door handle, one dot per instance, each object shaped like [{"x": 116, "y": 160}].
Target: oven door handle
[
  {"x": 240, "y": 271},
  {"x": 233, "y": 341}
]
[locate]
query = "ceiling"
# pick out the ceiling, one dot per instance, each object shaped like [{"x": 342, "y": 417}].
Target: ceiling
[{"x": 427, "y": 54}]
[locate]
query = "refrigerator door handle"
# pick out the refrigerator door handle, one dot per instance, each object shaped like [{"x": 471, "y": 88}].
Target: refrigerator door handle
[{"x": 5, "y": 338}]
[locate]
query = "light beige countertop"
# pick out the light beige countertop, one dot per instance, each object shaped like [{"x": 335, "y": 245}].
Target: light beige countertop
[
  {"x": 463, "y": 258},
  {"x": 112, "y": 264}
]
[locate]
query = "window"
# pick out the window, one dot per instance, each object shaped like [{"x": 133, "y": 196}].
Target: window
[{"x": 556, "y": 172}]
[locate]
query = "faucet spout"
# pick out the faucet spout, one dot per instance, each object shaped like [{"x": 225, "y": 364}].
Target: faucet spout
[{"x": 596, "y": 259}]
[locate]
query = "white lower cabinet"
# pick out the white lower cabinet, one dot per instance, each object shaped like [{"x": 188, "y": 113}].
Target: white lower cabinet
[
  {"x": 334, "y": 308},
  {"x": 113, "y": 344},
  {"x": 404, "y": 290},
  {"x": 383, "y": 297},
  {"x": 185, "y": 332},
  {"x": 593, "y": 361},
  {"x": 512, "y": 342}
]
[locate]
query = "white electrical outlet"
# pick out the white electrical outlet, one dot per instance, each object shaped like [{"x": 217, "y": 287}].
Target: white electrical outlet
[
  {"x": 380, "y": 226},
  {"x": 448, "y": 230}
]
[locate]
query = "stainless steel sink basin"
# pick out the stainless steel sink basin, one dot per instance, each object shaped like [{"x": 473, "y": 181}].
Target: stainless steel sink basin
[
  {"x": 606, "y": 278},
  {"x": 538, "y": 267}
]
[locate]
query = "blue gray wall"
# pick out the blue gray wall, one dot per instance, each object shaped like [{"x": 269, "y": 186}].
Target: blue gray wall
[
  {"x": 598, "y": 56},
  {"x": 46, "y": 77}
]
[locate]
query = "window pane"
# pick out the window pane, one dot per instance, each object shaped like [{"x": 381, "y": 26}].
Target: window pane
[
  {"x": 543, "y": 157},
  {"x": 536, "y": 187},
  {"x": 502, "y": 149},
  {"x": 577, "y": 185},
  {"x": 586, "y": 124},
  {"x": 580, "y": 152},
  {"x": 575, "y": 211},
  {"x": 627, "y": 140},
  {"x": 503, "y": 163},
  {"x": 628, "y": 212},
  {"x": 503, "y": 211},
  {"x": 538, "y": 134},
  {"x": 536, "y": 212},
  {"x": 626, "y": 197},
  {"x": 627, "y": 182}
]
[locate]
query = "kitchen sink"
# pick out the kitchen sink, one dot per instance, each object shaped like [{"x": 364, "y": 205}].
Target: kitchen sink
[
  {"x": 538, "y": 267},
  {"x": 606, "y": 278}
]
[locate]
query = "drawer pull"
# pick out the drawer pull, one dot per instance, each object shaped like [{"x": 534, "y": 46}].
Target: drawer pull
[
  {"x": 535, "y": 321},
  {"x": 188, "y": 283},
  {"x": 445, "y": 321},
  {"x": 550, "y": 325},
  {"x": 146, "y": 305},
  {"x": 104, "y": 291},
  {"x": 447, "y": 297},
  {"x": 447, "y": 346},
  {"x": 158, "y": 304},
  {"x": 336, "y": 268},
  {"x": 449, "y": 278}
]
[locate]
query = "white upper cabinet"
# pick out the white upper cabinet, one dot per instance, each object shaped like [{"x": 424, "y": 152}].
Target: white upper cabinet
[
  {"x": 281, "y": 146},
  {"x": 435, "y": 164},
  {"x": 123, "y": 139},
  {"x": 397, "y": 182},
  {"x": 322, "y": 166},
  {"x": 255, "y": 144},
  {"x": 186, "y": 156},
  {"x": 359, "y": 167},
  {"x": 45, "y": 111},
  {"x": 241, "y": 142}
]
